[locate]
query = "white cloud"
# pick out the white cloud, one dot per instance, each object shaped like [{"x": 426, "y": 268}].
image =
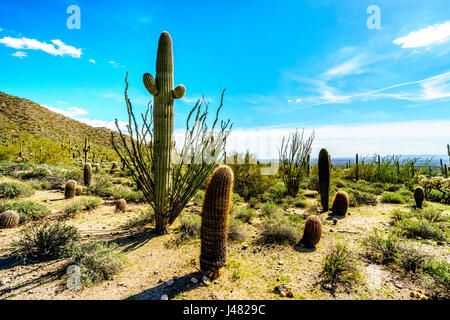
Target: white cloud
[
  {"x": 352, "y": 66},
  {"x": 345, "y": 140},
  {"x": 435, "y": 34},
  {"x": 19, "y": 54},
  {"x": 298, "y": 100},
  {"x": 104, "y": 124},
  {"x": 70, "y": 112},
  {"x": 58, "y": 48},
  {"x": 92, "y": 61},
  {"x": 115, "y": 64}
]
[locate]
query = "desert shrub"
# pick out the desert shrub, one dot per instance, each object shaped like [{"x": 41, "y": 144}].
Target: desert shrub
[
  {"x": 276, "y": 193},
  {"x": 338, "y": 266},
  {"x": 39, "y": 172},
  {"x": 414, "y": 228},
  {"x": 80, "y": 204},
  {"x": 190, "y": 226},
  {"x": 270, "y": 208},
  {"x": 406, "y": 194},
  {"x": 435, "y": 195},
  {"x": 244, "y": 214},
  {"x": 103, "y": 186},
  {"x": 73, "y": 174},
  {"x": 431, "y": 214},
  {"x": 198, "y": 198},
  {"x": 392, "y": 197},
  {"x": 253, "y": 202},
  {"x": 236, "y": 231},
  {"x": 97, "y": 261},
  {"x": 391, "y": 187},
  {"x": 398, "y": 215},
  {"x": 14, "y": 190},
  {"x": 27, "y": 210},
  {"x": 144, "y": 217},
  {"x": 8, "y": 168},
  {"x": 411, "y": 260},
  {"x": 45, "y": 241},
  {"x": 382, "y": 249},
  {"x": 41, "y": 185},
  {"x": 358, "y": 198},
  {"x": 436, "y": 188},
  {"x": 439, "y": 270},
  {"x": 279, "y": 229}
]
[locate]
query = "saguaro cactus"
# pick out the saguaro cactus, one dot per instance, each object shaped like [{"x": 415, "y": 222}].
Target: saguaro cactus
[
  {"x": 214, "y": 228},
  {"x": 312, "y": 233},
  {"x": 419, "y": 196},
  {"x": 324, "y": 177},
  {"x": 356, "y": 168},
  {"x": 86, "y": 149},
  {"x": 162, "y": 89}
]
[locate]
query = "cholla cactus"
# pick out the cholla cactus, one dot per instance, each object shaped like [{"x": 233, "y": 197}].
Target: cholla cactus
[
  {"x": 9, "y": 219},
  {"x": 214, "y": 228}
]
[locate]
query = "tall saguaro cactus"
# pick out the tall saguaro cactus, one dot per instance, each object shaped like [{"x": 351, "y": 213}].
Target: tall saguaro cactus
[
  {"x": 169, "y": 178},
  {"x": 162, "y": 89},
  {"x": 86, "y": 149},
  {"x": 356, "y": 168},
  {"x": 324, "y": 177}
]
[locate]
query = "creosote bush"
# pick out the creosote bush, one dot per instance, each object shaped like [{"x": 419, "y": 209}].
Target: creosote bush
[
  {"x": 382, "y": 249},
  {"x": 83, "y": 203},
  {"x": 392, "y": 197},
  {"x": 14, "y": 190},
  {"x": 279, "y": 229},
  {"x": 339, "y": 267},
  {"x": 27, "y": 210},
  {"x": 45, "y": 241}
]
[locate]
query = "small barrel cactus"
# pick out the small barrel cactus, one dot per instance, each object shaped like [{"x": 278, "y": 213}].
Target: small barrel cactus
[
  {"x": 419, "y": 196},
  {"x": 121, "y": 205},
  {"x": 87, "y": 174},
  {"x": 312, "y": 233},
  {"x": 78, "y": 190},
  {"x": 341, "y": 202},
  {"x": 70, "y": 189},
  {"x": 9, "y": 219},
  {"x": 214, "y": 227},
  {"x": 324, "y": 177}
]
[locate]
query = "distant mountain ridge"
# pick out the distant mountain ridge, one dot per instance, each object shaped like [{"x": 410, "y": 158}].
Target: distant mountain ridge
[{"x": 20, "y": 116}]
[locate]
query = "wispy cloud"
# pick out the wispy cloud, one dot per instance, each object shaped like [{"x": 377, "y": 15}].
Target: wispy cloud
[
  {"x": 351, "y": 66},
  {"x": 19, "y": 54},
  {"x": 435, "y": 34},
  {"x": 58, "y": 48},
  {"x": 115, "y": 64},
  {"x": 92, "y": 61}
]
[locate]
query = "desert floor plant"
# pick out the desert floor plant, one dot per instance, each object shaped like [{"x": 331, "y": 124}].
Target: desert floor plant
[{"x": 168, "y": 177}]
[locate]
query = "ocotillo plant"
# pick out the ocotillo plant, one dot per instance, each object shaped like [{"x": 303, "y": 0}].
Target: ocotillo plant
[
  {"x": 293, "y": 157},
  {"x": 214, "y": 228},
  {"x": 356, "y": 168},
  {"x": 324, "y": 178},
  {"x": 86, "y": 149},
  {"x": 169, "y": 182}
]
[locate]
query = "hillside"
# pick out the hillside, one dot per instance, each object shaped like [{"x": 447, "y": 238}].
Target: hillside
[{"x": 21, "y": 116}]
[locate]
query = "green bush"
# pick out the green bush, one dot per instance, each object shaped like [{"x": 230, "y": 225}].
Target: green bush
[
  {"x": 432, "y": 215},
  {"x": 406, "y": 194},
  {"x": 14, "y": 190},
  {"x": 236, "y": 231},
  {"x": 392, "y": 197},
  {"x": 435, "y": 195},
  {"x": 244, "y": 214},
  {"x": 411, "y": 260},
  {"x": 439, "y": 270},
  {"x": 358, "y": 198},
  {"x": 414, "y": 228},
  {"x": 36, "y": 173},
  {"x": 27, "y": 210},
  {"x": 45, "y": 241},
  {"x": 270, "y": 208},
  {"x": 190, "y": 226},
  {"x": 382, "y": 249},
  {"x": 338, "y": 266},
  {"x": 144, "y": 217},
  {"x": 97, "y": 261},
  {"x": 279, "y": 229},
  {"x": 80, "y": 204}
]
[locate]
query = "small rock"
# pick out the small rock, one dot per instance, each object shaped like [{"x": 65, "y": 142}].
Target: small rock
[
  {"x": 170, "y": 283},
  {"x": 121, "y": 284},
  {"x": 331, "y": 230},
  {"x": 335, "y": 221},
  {"x": 194, "y": 280},
  {"x": 440, "y": 243},
  {"x": 4, "y": 282},
  {"x": 280, "y": 262},
  {"x": 244, "y": 246},
  {"x": 214, "y": 296},
  {"x": 160, "y": 281},
  {"x": 206, "y": 281},
  {"x": 164, "y": 297},
  {"x": 216, "y": 281},
  {"x": 155, "y": 272}
]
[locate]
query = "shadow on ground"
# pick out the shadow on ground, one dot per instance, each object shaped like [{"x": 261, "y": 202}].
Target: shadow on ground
[{"x": 180, "y": 285}]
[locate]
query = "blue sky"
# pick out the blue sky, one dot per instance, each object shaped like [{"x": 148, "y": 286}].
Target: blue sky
[{"x": 285, "y": 65}]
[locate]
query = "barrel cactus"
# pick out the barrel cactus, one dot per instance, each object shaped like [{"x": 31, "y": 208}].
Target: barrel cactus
[
  {"x": 70, "y": 189},
  {"x": 324, "y": 177},
  {"x": 340, "y": 203},
  {"x": 419, "y": 196},
  {"x": 78, "y": 190},
  {"x": 121, "y": 205},
  {"x": 9, "y": 219},
  {"x": 312, "y": 233},
  {"x": 87, "y": 174},
  {"x": 214, "y": 227}
]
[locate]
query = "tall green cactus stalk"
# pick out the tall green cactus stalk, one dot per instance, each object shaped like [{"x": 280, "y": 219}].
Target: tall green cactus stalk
[
  {"x": 162, "y": 89},
  {"x": 86, "y": 149},
  {"x": 442, "y": 167},
  {"x": 309, "y": 164},
  {"x": 356, "y": 168},
  {"x": 448, "y": 152},
  {"x": 445, "y": 171},
  {"x": 324, "y": 178}
]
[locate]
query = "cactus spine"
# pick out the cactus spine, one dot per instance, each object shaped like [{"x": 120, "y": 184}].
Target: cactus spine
[
  {"x": 419, "y": 196},
  {"x": 214, "y": 228},
  {"x": 70, "y": 189},
  {"x": 340, "y": 203},
  {"x": 9, "y": 219},
  {"x": 161, "y": 87},
  {"x": 312, "y": 233},
  {"x": 356, "y": 168},
  {"x": 324, "y": 177}
]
